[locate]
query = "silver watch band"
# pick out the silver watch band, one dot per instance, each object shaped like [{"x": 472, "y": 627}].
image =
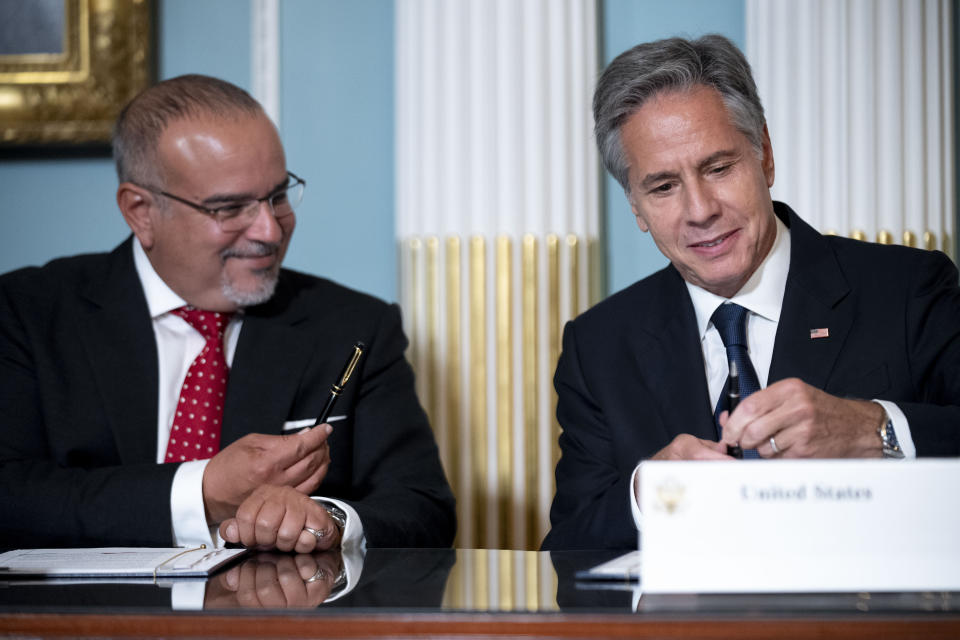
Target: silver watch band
[{"x": 888, "y": 438}]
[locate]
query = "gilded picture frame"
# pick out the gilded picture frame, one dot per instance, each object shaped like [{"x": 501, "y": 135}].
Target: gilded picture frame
[{"x": 72, "y": 96}]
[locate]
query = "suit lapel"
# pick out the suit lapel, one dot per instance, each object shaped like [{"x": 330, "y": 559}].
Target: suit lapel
[
  {"x": 267, "y": 368},
  {"x": 114, "y": 326},
  {"x": 671, "y": 342},
  {"x": 816, "y": 297}
]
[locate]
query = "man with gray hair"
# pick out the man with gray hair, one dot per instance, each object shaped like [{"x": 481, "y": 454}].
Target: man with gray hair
[
  {"x": 838, "y": 348},
  {"x": 165, "y": 391}
]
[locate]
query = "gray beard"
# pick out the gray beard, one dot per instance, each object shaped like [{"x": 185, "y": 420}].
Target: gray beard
[
  {"x": 267, "y": 278},
  {"x": 247, "y": 298}
]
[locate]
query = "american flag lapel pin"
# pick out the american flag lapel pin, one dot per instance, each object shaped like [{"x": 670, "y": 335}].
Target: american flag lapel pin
[{"x": 819, "y": 333}]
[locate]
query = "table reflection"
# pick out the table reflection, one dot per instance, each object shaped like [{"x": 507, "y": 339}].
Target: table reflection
[
  {"x": 277, "y": 581},
  {"x": 431, "y": 580},
  {"x": 390, "y": 578}
]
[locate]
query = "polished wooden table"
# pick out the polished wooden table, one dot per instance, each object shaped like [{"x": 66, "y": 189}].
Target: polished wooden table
[{"x": 448, "y": 593}]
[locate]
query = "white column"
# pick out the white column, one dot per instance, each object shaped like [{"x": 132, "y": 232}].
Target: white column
[
  {"x": 891, "y": 146},
  {"x": 860, "y": 121},
  {"x": 265, "y": 55},
  {"x": 497, "y": 208},
  {"x": 833, "y": 150},
  {"x": 859, "y": 101}
]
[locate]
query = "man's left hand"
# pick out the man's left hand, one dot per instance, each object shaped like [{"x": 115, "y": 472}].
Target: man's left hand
[
  {"x": 277, "y": 517},
  {"x": 791, "y": 419}
]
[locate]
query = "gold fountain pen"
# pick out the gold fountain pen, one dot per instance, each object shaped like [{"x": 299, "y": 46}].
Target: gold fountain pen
[{"x": 337, "y": 388}]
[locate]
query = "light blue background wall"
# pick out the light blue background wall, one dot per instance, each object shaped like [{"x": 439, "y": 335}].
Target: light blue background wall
[{"x": 337, "y": 125}]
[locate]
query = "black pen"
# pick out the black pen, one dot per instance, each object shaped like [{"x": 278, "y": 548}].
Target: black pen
[
  {"x": 733, "y": 399},
  {"x": 337, "y": 388}
]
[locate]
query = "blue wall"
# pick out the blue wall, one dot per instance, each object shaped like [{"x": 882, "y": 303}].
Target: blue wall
[
  {"x": 338, "y": 128},
  {"x": 210, "y": 37},
  {"x": 631, "y": 254},
  {"x": 56, "y": 207},
  {"x": 337, "y": 125}
]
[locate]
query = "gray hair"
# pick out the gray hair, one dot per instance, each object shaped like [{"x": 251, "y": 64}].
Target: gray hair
[
  {"x": 674, "y": 64},
  {"x": 144, "y": 119}
]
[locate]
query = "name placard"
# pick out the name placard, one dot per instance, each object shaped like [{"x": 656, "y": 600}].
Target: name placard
[{"x": 800, "y": 526}]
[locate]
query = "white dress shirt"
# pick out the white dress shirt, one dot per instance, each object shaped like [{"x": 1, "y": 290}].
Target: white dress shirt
[
  {"x": 178, "y": 344},
  {"x": 762, "y": 296}
]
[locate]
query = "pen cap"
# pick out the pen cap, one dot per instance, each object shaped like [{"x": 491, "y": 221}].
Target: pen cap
[{"x": 352, "y": 361}]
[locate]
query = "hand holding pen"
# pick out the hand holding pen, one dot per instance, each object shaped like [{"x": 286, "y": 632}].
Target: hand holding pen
[
  {"x": 733, "y": 399},
  {"x": 337, "y": 388}
]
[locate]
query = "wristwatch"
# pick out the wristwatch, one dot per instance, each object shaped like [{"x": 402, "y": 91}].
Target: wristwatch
[
  {"x": 888, "y": 438},
  {"x": 337, "y": 514}
]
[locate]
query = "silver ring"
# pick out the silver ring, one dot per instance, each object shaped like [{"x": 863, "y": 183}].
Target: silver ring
[
  {"x": 319, "y": 575},
  {"x": 773, "y": 445},
  {"x": 319, "y": 534}
]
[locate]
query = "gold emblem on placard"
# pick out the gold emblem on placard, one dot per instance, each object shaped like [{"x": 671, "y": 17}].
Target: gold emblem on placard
[{"x": 670, "y": 495}]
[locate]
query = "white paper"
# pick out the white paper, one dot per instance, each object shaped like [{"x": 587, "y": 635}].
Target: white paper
[
  {"x": 115, "y": 561},
  {"x": 621, "y": 568}
]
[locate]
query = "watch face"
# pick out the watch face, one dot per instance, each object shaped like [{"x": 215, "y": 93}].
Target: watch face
[{"x": 336, "y": 514}]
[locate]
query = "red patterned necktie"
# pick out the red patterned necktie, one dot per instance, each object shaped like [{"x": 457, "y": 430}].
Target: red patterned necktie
[{"x": 195, "y": 434}]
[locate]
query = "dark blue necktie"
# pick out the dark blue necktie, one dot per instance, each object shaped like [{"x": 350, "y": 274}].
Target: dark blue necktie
[{"x": 731, "y": 322}]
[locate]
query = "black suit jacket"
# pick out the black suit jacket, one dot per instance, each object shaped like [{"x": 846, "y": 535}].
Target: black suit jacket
[
  {"x": 631, "y": 375},
  {"x": 78, "y": 406}
]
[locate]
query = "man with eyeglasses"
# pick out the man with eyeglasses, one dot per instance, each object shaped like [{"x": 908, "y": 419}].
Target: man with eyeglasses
[{"x": 162, "y": 393}]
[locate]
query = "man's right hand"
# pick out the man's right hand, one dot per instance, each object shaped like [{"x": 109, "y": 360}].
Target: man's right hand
[
  {"x": 299, "y": 460},
  {"x": 688, "y": 447}
]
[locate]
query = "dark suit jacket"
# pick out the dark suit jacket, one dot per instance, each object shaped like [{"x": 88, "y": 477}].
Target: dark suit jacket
[
  {"x": 78, "y": 406},
  {"x": 631, "y": 375}
]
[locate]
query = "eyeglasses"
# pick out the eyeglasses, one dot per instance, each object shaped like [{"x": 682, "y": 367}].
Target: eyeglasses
[{"x": 237, "y": 216}]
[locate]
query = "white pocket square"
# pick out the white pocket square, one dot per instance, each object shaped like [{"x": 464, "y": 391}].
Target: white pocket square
[{"x": 308, "y": 422}]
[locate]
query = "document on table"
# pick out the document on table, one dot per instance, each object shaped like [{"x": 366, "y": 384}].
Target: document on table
[
  {"x": 621, "y": 568},
  {"x": 112, "y": 562}
]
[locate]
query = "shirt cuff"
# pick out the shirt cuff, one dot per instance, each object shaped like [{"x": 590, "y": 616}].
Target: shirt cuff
[
  {"x": 352, "y": 536},
  {"x": 635, "y": 497},
  {"x": 900, "y": 427},
  {"x": 190, "y": 528}
]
